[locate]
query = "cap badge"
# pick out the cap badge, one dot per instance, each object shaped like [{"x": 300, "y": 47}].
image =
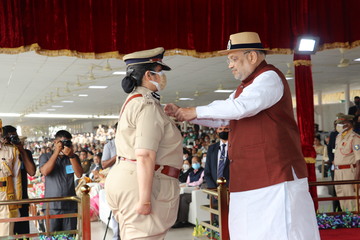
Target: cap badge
[{"x": 229, "y": 45}]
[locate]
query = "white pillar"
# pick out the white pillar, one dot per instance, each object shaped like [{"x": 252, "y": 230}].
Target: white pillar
[
  {"x": 347, "y": 98},
  {"x": 321, "y": 117}
]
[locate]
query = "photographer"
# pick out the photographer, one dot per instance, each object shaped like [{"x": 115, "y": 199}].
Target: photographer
[
  {"x": 27, "y": 167},
  {"x": 58, "y": 169},
  {"x": 10, "y": 184}
]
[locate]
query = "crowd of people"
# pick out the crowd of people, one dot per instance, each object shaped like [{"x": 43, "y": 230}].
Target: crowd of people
[{"x": 147, "y": 171}]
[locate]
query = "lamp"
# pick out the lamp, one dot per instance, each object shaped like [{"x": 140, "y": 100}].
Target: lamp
[{"x": 307, "y": 44}]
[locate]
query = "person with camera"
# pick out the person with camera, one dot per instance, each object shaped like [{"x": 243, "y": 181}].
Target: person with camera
[
  {"x": 10, "y": 183},
  {"x": 27, "y": 167},
  {"x": 59, "y": 168}
]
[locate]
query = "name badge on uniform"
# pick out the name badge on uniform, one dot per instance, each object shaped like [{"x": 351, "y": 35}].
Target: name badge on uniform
[{"x": 69, "y": 169}]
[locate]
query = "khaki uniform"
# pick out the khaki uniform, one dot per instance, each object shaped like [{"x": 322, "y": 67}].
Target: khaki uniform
[
  {"x": 347, "y": 152},
  {"x": 11, "y": 177},
  {"x": 144, "y": 125}
]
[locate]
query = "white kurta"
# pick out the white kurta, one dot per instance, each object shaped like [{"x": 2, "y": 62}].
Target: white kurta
[{"x": 283, "y": 211}]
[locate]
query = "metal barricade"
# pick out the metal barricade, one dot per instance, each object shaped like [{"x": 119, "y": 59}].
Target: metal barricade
[
  {"x": 329, "y": 183},
  {"x": 222, "y": 211},
  {"x": 83, "y": 215}
]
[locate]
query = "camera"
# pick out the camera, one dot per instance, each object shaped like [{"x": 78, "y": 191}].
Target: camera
[
  {"x": 14, "y": 139},
  {"x": 67, "y": 143}
]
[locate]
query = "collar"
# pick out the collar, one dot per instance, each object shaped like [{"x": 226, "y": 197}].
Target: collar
[
  {"x": 147, "y": 92},
  {"x": 343, "y": 134},
  {"x": 251, "y": 76},
  {"x": 155, "y": 95}
]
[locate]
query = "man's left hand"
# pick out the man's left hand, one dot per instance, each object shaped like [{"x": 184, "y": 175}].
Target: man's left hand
[
  {"x": 68, "y": 151},
  {"x": 185, "y": 114}
]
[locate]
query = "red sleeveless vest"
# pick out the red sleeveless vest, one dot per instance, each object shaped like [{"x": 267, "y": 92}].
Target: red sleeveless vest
[{"x": 263, "y": 148}]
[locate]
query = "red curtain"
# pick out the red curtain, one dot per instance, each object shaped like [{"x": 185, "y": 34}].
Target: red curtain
[
  {"x": 110, "y": 28},
  {"x": 305, "y": 113}
]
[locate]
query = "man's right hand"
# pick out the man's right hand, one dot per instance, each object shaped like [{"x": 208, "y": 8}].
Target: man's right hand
[
  {"x": 170, "y": 109},
  {"x": 58, "y": 147}
]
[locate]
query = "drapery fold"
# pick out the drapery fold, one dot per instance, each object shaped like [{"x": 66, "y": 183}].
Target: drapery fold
[
  {"x": 305, "y": 114},
  {"x": 111, "y": 28}
]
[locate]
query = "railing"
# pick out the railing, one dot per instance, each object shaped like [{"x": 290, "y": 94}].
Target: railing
[
  {"x": 222, "y": 211},
  {"x": 327, "y": 183},
  {"x": 83, "y": 215}
]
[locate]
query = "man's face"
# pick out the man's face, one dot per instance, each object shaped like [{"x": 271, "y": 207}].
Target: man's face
[
  {"x": 83, "y": 156},
  {"x": 357, "y": 101},
  {"x": 223, "y": 129},
  {"x": 240, "y": 65},
  {"x": 7, "y": 138}
]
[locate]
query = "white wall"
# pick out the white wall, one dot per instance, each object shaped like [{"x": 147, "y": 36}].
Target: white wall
[{"x": 329, "y": 115}]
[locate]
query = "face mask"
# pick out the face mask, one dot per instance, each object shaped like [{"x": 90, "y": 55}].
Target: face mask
[
  {"x": 203, "y": 160},
  {"x": 191, "y": 134},
  {"x": 162, "y": 83},
  {"x": 195, "y": 166},
  {"x": 211, "y": 131},
  {"x": 340, "y": 127},
  {"x": 224, "y": 135},
  {"x": 186, "y": 167},
  {"x": 184, "y": 157}
]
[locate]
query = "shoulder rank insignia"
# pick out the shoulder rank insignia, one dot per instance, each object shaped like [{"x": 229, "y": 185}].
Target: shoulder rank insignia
[{"x": 357, "y": 147}]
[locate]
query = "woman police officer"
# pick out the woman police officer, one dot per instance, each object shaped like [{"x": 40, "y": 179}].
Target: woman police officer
[{"x": 142, "y": 189}]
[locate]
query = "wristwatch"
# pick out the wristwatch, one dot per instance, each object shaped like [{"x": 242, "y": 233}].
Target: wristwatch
[{"x": 72, "y": 156}]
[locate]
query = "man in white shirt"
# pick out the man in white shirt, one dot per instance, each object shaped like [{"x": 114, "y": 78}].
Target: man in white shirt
[
  {"x": 269, "y": 197},
  {"x": 109, "y": 153}
]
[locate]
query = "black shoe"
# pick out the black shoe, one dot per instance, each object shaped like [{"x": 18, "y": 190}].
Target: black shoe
[{"x": 180, "y": 225}]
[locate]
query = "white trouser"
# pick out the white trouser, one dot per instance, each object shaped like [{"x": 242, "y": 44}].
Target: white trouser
[{"x": 283, "y": 211}]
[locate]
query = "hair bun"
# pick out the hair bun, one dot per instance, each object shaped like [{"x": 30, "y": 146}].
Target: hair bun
[{"x": 128, "y": 84}]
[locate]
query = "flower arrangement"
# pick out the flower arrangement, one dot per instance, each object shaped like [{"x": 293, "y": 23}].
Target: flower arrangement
[
  {"x": 346, "y": 220},
  {"x": 58, "y": 237},
  {"x": 201, "y": 232}
]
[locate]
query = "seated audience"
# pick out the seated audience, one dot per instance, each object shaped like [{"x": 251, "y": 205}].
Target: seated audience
[
  {"x": 195, "y": 179},
  {"x": 184, "y": 173}
]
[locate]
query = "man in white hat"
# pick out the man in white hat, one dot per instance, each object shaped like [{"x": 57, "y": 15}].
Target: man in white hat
[{"x": 269, "y": 197}]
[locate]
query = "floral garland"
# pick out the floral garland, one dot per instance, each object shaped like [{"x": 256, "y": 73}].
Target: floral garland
[{"x": 346, "y": 220}]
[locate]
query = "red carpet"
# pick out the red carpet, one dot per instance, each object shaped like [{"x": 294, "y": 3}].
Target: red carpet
[{"x": 340, "y": 234}]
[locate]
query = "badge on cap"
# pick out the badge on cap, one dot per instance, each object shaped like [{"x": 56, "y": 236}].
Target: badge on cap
[
  {"x": 229, "y": 45},
  {"x": 357, "y": 147}
]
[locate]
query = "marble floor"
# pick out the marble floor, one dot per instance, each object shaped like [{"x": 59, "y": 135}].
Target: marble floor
[{"x": 98, "y": 231}]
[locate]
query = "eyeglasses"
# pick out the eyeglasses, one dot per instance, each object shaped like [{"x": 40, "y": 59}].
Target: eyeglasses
[
  {"x": 234, "y": 59},
  {"x": 158, "y": 73}
]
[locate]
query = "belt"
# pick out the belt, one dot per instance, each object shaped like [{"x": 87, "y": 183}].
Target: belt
[
  {"x": 3, "y": 184},
  {"x": 167, "y": 170},
  {"x": 346, "y": 166}
]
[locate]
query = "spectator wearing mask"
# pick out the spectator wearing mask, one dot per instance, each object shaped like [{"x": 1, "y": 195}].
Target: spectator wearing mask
[
  {"x": 195, "y": 179},
  {"x": 217, "y": 161},
  {"x": 347, "y": 160},
  {"x": 203, "y": 159},
  {"x": 184, "y": 173}
]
